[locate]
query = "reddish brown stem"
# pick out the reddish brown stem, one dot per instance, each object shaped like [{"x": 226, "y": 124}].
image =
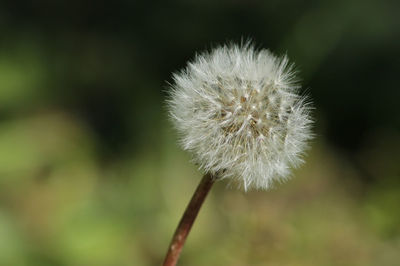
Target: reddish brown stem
[{"x": 187, "y": 220}]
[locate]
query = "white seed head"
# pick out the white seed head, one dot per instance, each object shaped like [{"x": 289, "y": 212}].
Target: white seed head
[{"x": 239, "y": 113}]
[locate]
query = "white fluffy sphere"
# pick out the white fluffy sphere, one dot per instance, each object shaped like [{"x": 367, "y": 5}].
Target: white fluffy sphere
[{"x": 239, "y": 113}]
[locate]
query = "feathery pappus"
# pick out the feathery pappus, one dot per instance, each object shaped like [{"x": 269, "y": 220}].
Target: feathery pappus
[{"x": 239, "y": 112}]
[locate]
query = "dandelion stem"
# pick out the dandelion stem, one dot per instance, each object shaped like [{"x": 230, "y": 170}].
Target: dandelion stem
[{"x": 187, "y": 220}]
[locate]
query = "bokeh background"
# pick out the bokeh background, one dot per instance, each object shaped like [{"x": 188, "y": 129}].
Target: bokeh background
[{"x": 90, "y": 172}]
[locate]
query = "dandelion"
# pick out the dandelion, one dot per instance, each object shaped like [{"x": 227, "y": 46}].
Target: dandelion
[{"x": 239, "y": 113}]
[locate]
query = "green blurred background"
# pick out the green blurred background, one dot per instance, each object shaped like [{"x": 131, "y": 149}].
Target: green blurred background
[{"x": 90, "y": 172}]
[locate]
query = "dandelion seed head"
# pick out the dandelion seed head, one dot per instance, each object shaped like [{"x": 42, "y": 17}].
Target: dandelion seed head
[{"x": 239, "y": 113}]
